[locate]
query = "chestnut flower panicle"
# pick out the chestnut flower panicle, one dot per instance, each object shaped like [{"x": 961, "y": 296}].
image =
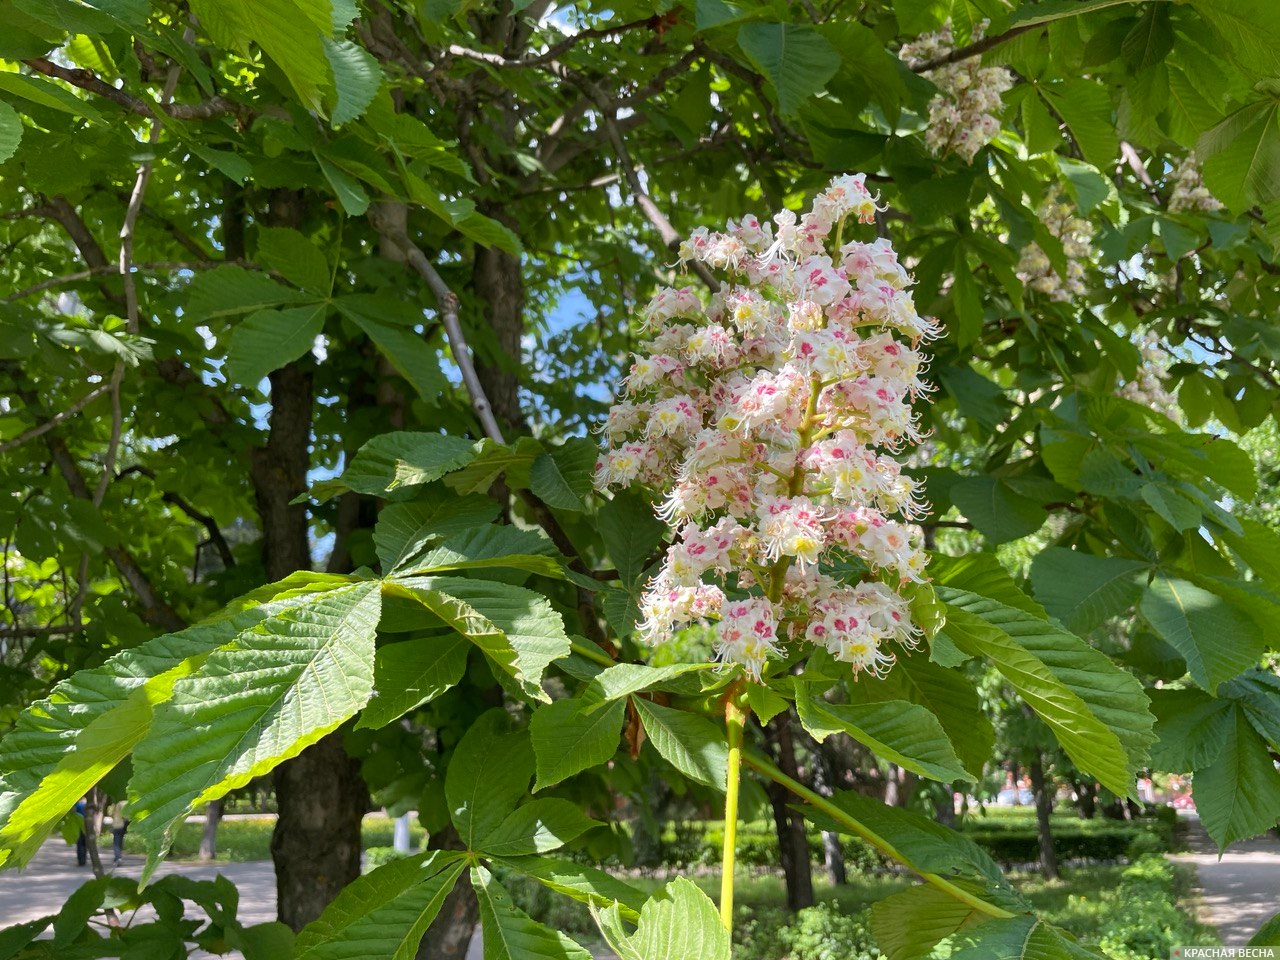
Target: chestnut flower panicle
[{"x": 762, "y": 421}]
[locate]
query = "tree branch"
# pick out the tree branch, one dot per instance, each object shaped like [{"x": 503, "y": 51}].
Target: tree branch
[
  {"x": 205, "y": 520},
  {"x": 158, "y": 266},
  {"x": 395, "y": 231},
  {"x": 553, "y": 52},
  {"x": 91, "y": 82},
  {"x": 43, "y": 428},
  {"x": 977, "y": 48}
]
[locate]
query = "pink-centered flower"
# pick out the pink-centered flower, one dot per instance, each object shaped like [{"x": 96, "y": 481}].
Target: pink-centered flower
[{"x": 761, "y": 420}]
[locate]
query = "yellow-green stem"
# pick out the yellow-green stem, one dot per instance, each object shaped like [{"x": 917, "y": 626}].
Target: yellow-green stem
[
  {"x": 592, "y": 654},
  {"x": 734, "y": 720},
  {"x": 844, "y": 818}
]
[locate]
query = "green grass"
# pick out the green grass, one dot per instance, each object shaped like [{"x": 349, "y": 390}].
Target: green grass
[{"x": 249, "y": 838}]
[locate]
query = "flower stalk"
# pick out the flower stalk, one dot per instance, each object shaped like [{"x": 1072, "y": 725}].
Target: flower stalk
[{"x": 735, "y": 718}]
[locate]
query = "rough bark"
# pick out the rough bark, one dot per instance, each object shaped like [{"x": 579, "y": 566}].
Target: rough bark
[
  {"x": 1044, "y": 807},
  {"x": 209, "y": 836},
  {"x": 499, "y": 284},
  {"x": 793, "y": 844},
  {"x": 945, "y": 806},
  {"x": 316, "y": 844}
]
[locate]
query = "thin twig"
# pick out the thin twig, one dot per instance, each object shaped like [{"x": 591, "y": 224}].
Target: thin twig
[
  {"x": 206, "y": 520},
  {"x": 56, "y": 419},
  {"x": 393, "y": 230},
  {"x": 554, "y": 51}
]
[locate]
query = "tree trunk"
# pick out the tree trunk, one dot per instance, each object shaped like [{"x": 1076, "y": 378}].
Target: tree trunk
[
  {"x": 316, "y": 843},
  {"x": 209, "y": 838},
  {"x": 793, "y": 843},
  {"x": 945, "y": 806},
  {"x": 498, "y": 282},
  {"x": 832, "y": 852},
  {"x": 450, "y": 934},
  {"x": 1087, "y": 798},
  {"x": 1044, "y": 807},
  {"x": 320, "y": 794}
]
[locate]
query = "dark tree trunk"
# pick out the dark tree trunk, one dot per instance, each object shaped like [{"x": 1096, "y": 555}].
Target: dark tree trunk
[
  {"x": 316, "y": 844},
  {"x": 1087, "y": 798},
  {"x": 209, "y": 837},
  {"x": 945, "y": 807},
  {"x": 793, "y": 843},
  {"x": 499, "y": 284},
  {"x": 320, "y": 794},
  {"x": 1044, "y": 807},
  {"x": 832, "y": 852},
  {"x": 450, "y": 934}
]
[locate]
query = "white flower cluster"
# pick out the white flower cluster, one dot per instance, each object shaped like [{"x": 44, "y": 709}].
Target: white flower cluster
[
  {"x": 1034, "y": 268},
  {"x": 760, "y": 420},
  {"x": 965, "y": 115},
  {"x": 1147, "y": 387},
  {"x": 1189, "y": 192}
]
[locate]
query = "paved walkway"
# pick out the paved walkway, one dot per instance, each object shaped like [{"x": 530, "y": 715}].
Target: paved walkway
[
  {"x": 1241, "y": 891},
  {"x": 45, "y": 883}
]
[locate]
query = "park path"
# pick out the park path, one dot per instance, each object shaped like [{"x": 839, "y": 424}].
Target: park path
[
  {"x": 40, "y": 888},
  {"x": 1240, "y": 891}
]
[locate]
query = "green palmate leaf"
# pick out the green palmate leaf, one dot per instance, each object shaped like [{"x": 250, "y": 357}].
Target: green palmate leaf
[
  {"x": 1051, "y": 10},
  {"x": 405, "y": 529},
  {"x": 947, "y": 695},
  {"x": 1085, "y": 105},
  {"x": 983, "y": 574},
  {"x": 562, "y": 476},
  {"x": 582, "y": 883},
  {"x": 624, "y": 679},
  {"x": 409, "y": 674},
  {"x": 568, "y": 740},
  {"x": 517, "y": 629},
  {"x": 352, "y": 196},
  {"x": 384, "y": 913},
  {"x": 538, "y": 826},
  {"x": 917, "y": 16},
  {"x": 1238, "y": 792},
  {"x": 493, "y": 461},
  {"x": 1268, "y": 934},
  {"x": 1097, "y": 711},
  {"x": 925, "y": 845},
  {"x": 693, "y": 745},
  {"x": 289, "y": 253},
  {"x": 998, "y": 511},
  {"x": 509, "y": 933},
  {"x": 46, "y": 93},
  {"x": 1192, "y": 728},
  {"x": 402, "y": 459},
  {"x": 1258, "y": 694},
  {"x": 390, "y": 324},
  {"x": 1083, "y": 590},
  {"x": 1170, "y": 503},
  {"x": 311, "y": 669},
  {"x": 493, "y": 545},
  {"x": 62, "y": 746},
  {"x": 1258, "y": 546},
  {"x": 288, "y": 31},
  {"x": 908, "y": 924},
  {"x": 679, "y": 923},
  {"x": 796, "y": 58},
  {"x": 1241, "y": 156},
  {"x": 903, "y": 733},
  {"x": 230, "y": 291},
  {"x": 1017, "y": 938},
  {"x": 1216, "y": 639},
  {"x": 356, "y": 79},
  {"x": 10, "y": 131},
  {"x": 487, "y": 776},
  {"x": 631, "y": 533},
  {"x": 269, "y": 339},
  {"x": 1250, "y": 29}
]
